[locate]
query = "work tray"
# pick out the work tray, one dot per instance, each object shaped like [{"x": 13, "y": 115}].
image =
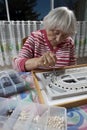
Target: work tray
[
  {"x": 35, "y": 116},
  {"x": 62, "y": 86},
  {"x": 10, "y": 83}
]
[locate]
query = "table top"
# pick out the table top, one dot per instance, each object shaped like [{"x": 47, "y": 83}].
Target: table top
[{"x": 76, "y": 117}]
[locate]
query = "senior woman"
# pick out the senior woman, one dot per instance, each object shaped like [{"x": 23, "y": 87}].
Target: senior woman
[{"x": 52, "y": 46}]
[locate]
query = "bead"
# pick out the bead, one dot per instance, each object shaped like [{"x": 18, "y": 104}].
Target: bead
[{"x": 56, "y": 122}]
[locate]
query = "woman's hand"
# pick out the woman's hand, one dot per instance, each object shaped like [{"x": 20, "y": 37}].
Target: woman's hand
[{"x": 47, "y": 59}]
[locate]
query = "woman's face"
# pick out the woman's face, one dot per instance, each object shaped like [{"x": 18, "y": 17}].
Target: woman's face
[{"x": 56, "y": 36}]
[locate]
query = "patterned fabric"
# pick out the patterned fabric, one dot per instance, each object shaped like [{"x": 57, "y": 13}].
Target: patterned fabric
[
  {"x": 37, "y": 44},
  {"x": 77, "y": 118}
]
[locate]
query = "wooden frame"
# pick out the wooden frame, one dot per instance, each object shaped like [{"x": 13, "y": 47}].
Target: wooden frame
[{"x": 66, "y": 104}]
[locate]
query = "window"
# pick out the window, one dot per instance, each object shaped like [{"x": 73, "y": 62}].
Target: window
[{"x": 24, "y": 9}]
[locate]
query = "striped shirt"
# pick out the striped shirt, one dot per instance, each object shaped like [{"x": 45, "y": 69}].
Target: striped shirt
[{"x": 37, "y": 44}]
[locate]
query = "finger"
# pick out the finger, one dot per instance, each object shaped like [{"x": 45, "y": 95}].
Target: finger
[
  {"x": 53, "y": 56},
  {"x": 49, "y": 60},
  {"x": 46, "y": 60}
]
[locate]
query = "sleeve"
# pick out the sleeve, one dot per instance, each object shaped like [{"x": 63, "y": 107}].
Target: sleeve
[
  {"x": 25, "y": 54},
  {"x": 72, "y": 54}
]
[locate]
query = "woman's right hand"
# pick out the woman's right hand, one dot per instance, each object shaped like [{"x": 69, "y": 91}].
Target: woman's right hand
[{"x": 47, "y": 59}]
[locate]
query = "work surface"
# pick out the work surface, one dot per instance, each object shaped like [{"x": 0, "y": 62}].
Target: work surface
[
  {"x": 76, "y": 117},
  {"x": 65, "y": 87}
]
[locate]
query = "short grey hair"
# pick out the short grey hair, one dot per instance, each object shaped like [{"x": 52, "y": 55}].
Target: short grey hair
[{"x": 60, "y": 18}]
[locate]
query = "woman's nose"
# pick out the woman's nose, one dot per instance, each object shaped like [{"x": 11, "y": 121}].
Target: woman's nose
[{"x": 58, "y": 37}]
